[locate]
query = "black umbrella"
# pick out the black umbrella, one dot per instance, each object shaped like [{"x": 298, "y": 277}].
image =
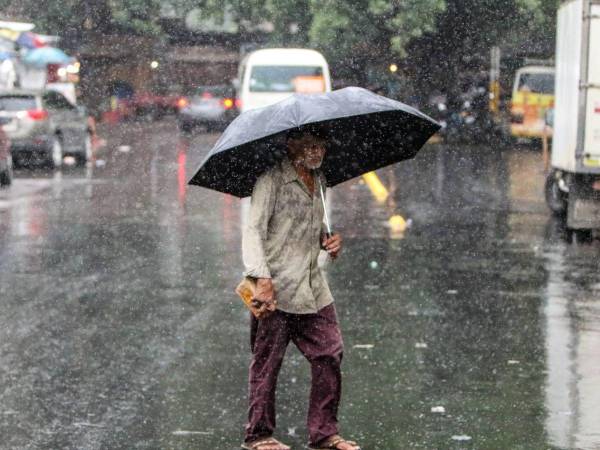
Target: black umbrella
[{"x": 364, "y": 132}]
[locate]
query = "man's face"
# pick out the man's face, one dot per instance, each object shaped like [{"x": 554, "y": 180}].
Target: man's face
[{"x": 307, "y": 150}]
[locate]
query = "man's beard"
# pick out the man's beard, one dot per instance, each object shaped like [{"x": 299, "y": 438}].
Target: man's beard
[{"x": 313, "y": 165}]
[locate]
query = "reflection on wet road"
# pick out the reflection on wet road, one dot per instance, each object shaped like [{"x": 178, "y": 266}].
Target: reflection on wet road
[{"x": 478, "y": 327}]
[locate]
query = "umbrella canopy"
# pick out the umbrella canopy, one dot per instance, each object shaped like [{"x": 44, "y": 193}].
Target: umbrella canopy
[
  {"x": 364, "y": 132},
  {"x": 46, "y": 55}
]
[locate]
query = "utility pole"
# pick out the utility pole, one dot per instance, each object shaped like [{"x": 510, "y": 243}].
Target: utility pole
[{"x": 495, "y": 82}]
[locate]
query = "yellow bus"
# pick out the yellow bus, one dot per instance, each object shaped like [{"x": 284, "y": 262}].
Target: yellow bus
[{"x": 532, "y": 96}]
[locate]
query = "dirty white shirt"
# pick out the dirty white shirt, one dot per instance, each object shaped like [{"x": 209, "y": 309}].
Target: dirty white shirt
[{"x": 282, "y": 239}]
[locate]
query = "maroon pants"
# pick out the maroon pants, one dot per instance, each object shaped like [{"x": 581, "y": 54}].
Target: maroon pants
[{"x": 319, "y": 339}]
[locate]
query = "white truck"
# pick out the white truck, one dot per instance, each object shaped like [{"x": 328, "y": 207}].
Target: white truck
[{"x": 573, "y": 185}]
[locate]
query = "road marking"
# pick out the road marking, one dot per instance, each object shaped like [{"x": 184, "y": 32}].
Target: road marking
[
  {"x": 23, "y": 188},
  {"x": 377, "y": 188},
  {"x": 191, "y": 433}
]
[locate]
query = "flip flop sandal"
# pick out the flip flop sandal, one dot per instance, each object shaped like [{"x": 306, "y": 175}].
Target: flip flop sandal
[
  {"x": 333, "y": 442},
  {"x": 265, "y": 444}
]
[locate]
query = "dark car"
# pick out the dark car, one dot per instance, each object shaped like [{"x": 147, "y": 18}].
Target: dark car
[
  {"x": 211, "y": 107},
  {"x": 153, "y": 104},
  {"x": 45, "y": 125},
  {"x": 5, "y": 157}
]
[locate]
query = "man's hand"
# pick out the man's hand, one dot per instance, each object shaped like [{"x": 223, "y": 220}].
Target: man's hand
[
  {"x": 332, "y": 245},
  {"x": 264, "y": 297}
]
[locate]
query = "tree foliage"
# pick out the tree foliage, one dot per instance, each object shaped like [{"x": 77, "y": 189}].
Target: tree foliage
[
  {"x": 467, "y": 30},
  {"x": 366, "y": 34},
  {"x": 65, "y": 16},
  {"x": 352, "y": 33},
  {"x": 358, "y": 36}
]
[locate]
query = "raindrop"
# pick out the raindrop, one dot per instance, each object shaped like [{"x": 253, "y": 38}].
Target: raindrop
[
  {"x": 461, "y": 437},
  {"x": 190, "y": 433}
]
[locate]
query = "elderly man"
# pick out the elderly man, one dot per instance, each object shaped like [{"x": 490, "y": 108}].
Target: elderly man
[{"x": 281, "y": 244}]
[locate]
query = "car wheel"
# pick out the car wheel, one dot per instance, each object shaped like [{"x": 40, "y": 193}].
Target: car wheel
[
  {"x": 17, "y": 161},
  {"x": 580, "y": 236},
  {"x": 55, "y": 158},
  {"x": 556, "y": 199},
  {"x": 7, "y": 175},
  {"x": 185, "y": 127},
  {"x": 86, "y": 152}
]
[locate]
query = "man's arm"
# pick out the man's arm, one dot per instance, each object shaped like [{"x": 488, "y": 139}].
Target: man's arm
[
  {"x": 254, "y": 236},
  {"x": 255, "y": 232}
]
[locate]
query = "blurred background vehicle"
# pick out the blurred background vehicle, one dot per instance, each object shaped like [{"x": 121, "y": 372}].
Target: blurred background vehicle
[
  {"x": 211, "y": 107},
  {"x": 5, "y": 156},
  {"x": 270, "y": 75},
  {"x": 43, "y": 126},
  {"x": 464, "y": 114},
  {"x": 532, "y": 95},
  {"x": 154, "y": 103}
]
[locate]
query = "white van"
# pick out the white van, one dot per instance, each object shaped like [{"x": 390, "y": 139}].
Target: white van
[{"x": 270, "y": 75}]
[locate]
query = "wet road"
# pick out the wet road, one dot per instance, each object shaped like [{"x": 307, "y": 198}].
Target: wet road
[{"x": 478, "y": 328}]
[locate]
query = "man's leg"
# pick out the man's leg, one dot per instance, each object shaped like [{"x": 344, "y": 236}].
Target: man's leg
[
  {"x": 269, "y": 339},
  {"x": 319, "y": 339}
]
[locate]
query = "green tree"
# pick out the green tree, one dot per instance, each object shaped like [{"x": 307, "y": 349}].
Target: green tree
[
  {"x": 357, "y": 36},
  {"x": 466, "y": 31},
  {"x": 361, "y": 36},
  {"x": 64, "y": 16},
  {"x": 290, "y": 20}
]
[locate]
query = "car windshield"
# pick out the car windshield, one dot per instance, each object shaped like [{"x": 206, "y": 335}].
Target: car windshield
[
  {"x": 539, "y": 83},
  {"x": 281, "y": 78},
  {"x": 17, "y": 103}
]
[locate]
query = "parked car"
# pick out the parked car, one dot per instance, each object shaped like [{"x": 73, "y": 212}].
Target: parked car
[
  {"x": 154, "y": 103},
  {"x": 44, "y": 126},
  {"x": 5, "y": 157},
  {"x": 212, "y": 107}
]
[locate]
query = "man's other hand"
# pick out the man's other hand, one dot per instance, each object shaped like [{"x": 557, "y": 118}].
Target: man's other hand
[
  {"x": 332, "y": 245},
  {"x": 264, "y": 297}
]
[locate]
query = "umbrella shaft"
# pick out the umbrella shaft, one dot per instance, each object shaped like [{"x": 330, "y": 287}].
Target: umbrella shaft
[{"x": 324, "y": 208}]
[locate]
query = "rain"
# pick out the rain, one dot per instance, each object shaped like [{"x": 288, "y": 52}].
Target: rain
[{"x": 461, "y": 169}]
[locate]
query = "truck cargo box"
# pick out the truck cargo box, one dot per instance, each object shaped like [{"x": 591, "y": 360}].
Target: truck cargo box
[{"x": 576, "y": 146}]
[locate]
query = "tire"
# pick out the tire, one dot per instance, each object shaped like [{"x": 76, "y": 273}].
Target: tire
[
  {"x": 55, "y": 153},
  {"x": 557, "y": 200},
  {"x": 17, "y": 161},
  {"x": 86, "y": 154},
  {"x": 580, "y": 236},
  {"x": 185, "y": 127},
  {"x": 7, "y": 175}
]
